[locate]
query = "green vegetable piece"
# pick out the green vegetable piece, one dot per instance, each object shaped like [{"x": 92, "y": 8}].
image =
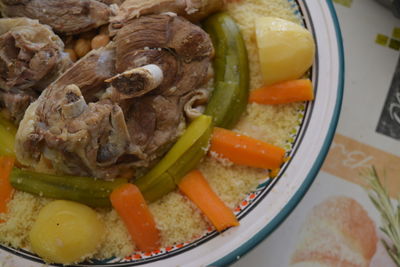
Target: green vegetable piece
[
  {"x": 7, "y": 137},
  {"x": 180, "y": 159},
  {"x": 85, "y": 190},
  {"x": 153, "y": 187},
  {"x": 191, "y": 158},
  {"x": 231, "y": 71}
]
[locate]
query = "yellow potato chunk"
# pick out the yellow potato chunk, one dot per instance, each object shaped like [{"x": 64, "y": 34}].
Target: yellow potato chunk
[
  {"x": 66, "y": 232},
  {"x": 286, "y": 50}
]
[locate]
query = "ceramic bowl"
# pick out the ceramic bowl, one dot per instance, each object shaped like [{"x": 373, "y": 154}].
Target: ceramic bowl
[{"x": 265, "y": 208}]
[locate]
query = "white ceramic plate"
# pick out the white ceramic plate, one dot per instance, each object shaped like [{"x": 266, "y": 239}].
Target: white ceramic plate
[{"x": 263, "y": 210}]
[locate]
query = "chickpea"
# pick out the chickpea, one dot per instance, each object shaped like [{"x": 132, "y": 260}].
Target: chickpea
[
  {"x": 100, "y": 41},
  {"x": 82, "y": 47},
  {"x": 72, "y": 54},
  {"x": 104, "y": 29},
  {"x": 88, "y": 35}
]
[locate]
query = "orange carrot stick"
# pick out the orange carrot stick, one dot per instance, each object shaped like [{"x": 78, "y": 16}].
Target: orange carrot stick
[
  {"x": 196, "y": 188},
  {"x": 284, "y": 92},
  {"x": 6, "y": 190},
  {"x": 132, "y": 208},
  {"x": 245, "y": 150}
]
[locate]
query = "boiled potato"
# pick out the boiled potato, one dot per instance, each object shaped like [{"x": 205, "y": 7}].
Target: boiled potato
[
  {"x": 66, "y": 232},
  {"x": 286, "y": 50}
]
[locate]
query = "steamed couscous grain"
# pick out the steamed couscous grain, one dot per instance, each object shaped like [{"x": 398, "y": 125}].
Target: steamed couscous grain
[
  {"x": 171, "y": 214},
  {"x": 117, "y": 239},
  {"x": 231, "y": 183},
  {"x": 271, "y": 124},
  {"x": 22, "y": 213},
  {"x": 177, "y": 218}
]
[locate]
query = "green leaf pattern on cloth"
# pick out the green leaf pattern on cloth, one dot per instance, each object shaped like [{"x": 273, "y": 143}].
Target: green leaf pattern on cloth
[{"x": 390, "y": 214}]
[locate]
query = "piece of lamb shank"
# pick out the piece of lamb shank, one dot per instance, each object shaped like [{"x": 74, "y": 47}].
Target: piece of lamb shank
[{"x": 120, "y": 107}]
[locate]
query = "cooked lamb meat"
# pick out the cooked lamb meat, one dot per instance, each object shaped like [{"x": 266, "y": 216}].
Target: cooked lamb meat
[
  {"x": 66, "y": 16},
  {"x": 164, "y": 41},
  {"x": 194, "y": 10},
  {"x": 195, "y": 105},
  {"x": 28, "y": 51},
  {"x": 90, "y": 73},
  {"x": 84, "y": 128},
  {"x": 110, "y": 2},
  {"x": 78, "y": 137},
  {"x": 154, "y": 122},
  {"x": 31, "y": 58},
  {"x": 181, "y": 49},
  {"x": 16, "y": 103},
  {"x": 137, "y": 82}
]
